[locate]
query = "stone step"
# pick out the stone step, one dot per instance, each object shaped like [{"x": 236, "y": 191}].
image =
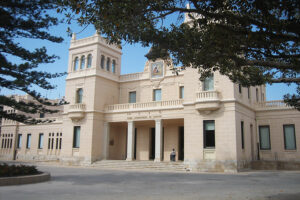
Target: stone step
[{"x": 140, "y": 165}]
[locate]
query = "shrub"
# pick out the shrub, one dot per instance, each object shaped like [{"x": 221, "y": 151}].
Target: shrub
[{"x": 17, "y": 170}]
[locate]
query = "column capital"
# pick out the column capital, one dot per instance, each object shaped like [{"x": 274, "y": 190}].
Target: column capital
[{"x": 158, "y": 120}]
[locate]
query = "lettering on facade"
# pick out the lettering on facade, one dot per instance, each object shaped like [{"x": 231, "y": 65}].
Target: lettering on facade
[{"x": 143, "y": 115}]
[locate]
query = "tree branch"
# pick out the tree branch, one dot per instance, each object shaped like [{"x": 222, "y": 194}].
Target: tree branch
[{"x": 286, "y": 80}]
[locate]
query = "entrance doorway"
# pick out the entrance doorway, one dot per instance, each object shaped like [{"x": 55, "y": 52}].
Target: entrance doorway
[
  {"x": 152, "y": 144},
  {"x": 181, "y": 143}
]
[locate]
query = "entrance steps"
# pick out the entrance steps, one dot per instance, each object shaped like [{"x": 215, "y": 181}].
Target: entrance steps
[{"x": 140, "y": 165}]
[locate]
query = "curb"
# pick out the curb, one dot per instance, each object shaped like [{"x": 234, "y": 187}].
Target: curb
[{"x": 20, "y": 180}]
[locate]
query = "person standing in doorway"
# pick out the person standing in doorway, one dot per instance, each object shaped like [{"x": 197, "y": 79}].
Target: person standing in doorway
[{"x": 173, "y": 155}]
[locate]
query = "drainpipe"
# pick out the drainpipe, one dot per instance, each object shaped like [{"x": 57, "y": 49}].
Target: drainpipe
[{"x": 257, "y": 141}]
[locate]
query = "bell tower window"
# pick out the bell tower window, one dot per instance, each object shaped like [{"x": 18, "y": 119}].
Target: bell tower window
[
  {"x": 89, "y": 60},
  {"x": 108, "y": 64},
  {"x": 82, "y": 62},
  {"x": 76, "y": 64}
]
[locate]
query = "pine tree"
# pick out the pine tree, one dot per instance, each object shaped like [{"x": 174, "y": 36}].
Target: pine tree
[
  {"x": 252, "y": 42},
  {"x": 25, "y": 19}
]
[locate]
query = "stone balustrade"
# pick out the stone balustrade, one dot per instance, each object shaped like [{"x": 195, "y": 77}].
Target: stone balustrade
[
  {"x": 271, "y": 105},
  {"x": 83, "y": 41},
  {"x": 144, "y": 106},
  {"x": 93, "y": 39},
  {"x": 77, "y": 106},
  {"x": 131, "y": 77},
  {"x": 207, "y": 95},
  {"x": 76, "y": 111},
  {"x": 207, "y": 101}
]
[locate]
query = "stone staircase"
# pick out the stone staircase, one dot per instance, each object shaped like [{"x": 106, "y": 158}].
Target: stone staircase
[{"x": 141, "y": 165}]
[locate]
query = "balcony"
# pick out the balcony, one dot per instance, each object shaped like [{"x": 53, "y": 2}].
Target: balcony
[
  {"x": 147, "y": 106},
  {"x": 76, "y": 111},
  {"x": 207, "y": 101},
  {"x": 271, "y": 105}
]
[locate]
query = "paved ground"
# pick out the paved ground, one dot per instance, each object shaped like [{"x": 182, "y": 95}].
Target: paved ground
[{"x": 85, "y": 183}]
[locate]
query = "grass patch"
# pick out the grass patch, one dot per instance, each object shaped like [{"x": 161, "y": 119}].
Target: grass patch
[{"x": 17, "y": 170}]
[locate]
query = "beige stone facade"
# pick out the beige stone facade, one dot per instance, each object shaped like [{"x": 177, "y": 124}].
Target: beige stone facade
[{"x": 214, "y": 124}]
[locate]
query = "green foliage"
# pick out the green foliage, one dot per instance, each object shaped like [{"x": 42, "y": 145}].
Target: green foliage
[
  {"x": 17, "y": 170},
  {"x": 25, "y": 19},
  {"x": 251, "y": 42}
]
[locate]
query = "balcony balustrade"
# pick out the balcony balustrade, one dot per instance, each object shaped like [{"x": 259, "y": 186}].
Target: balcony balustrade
[
  {"x": 207, "y": 100},
  {"x": 131, "y": 77},
  {"x": 153, "y": 105},
  {"x": 76, "y": 111},
  {"x": 271, "y": 105}
]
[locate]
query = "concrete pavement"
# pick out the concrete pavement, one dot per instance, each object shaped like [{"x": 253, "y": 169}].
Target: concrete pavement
[{"x": 78, "y": 183}]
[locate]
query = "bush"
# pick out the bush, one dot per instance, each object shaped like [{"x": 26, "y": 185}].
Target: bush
[{"x": 17, "y": 170}]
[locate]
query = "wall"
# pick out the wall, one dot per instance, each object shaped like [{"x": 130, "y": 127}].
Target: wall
[
  {"x": 53, "y": 130},
  {"x": 276, "y": 119}
]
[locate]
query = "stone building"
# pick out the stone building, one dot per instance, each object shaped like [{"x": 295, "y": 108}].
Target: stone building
[{"x": 212, "y": 125}]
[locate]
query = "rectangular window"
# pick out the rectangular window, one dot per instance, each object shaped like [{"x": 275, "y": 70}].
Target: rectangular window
[
  {"x": 289, "y": 137},
  {"x": 52, "y": 143},
  {"x": 181, "y": 92},
  {"x": 41, "y": 140},
  {"x": 56, "y": 145},
  {"x": 42, "y": 115},
  {"x": 19, "y": 144},
  {"x": 10, "y": 145},
  {"x": 242, "y": 134},
  {"x": 240, "y": 88},
  {"x": 49, "y": 143},
  {"x": 256, "y": 94},
  {"x": 208, "y": 83},
  {"x": 248, "y": 92},
  {"x": 157, "y": 95},
  {"x": 60, "y": 140},
  {"x": 132, "y": 97},
  {"x": 264, "y": 137},
  {"x": 76, "y": 137},
  {"x": 28, "y": 142},
  {"x": 209, "y": 133}
]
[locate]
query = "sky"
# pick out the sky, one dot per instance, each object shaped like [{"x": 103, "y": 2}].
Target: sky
[{"x": 133, "y": 60}]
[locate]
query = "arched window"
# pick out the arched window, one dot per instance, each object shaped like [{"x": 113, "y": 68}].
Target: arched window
[
  {"x": 79, "y": 94},
  {"x": 208, "y": 84},
  {"x": 82, "y": 62},
  {"x": 108, "y": 64},
  {"x": 113, "y": 66},
  {"x": 76, "y": 64},
  {"x": 102, "y": 62},
  {"x": 89, "y": 60}
]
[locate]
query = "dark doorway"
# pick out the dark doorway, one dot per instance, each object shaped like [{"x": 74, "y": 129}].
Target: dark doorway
[
  {"x": 152, "y": 144},
  {"x": 181, "y": 143},
  {"x": 134, "y": 154}
]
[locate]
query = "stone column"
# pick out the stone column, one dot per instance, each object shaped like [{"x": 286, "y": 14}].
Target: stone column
[
  {"x": 130, "y": 141},
  {"x": 106, "y": 141},
  {"x": 158, "y": 140}
]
